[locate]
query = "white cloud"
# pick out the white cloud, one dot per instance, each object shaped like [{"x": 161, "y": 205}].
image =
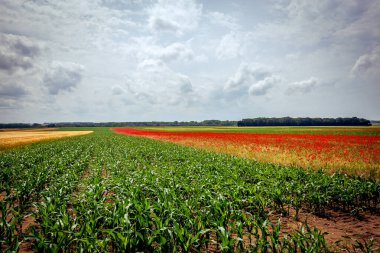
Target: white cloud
[
  {"x": 176, "y": 51},
  {"x": 152, "y": 65},
  {"x": 324, "y": 23},
  {"x": 62, "y": 76},
  {"x": 303, "y": 86},
  {"x": 262, "y": 87},
  {"x": 185, "y": 59},
  {"x": 367, "y": 63},
  {"x": 229, "y": 46},
  {"x": 223, "y": 20},
  {"x": 154, "y": 82},
  {"x": 251, "y": 80},
  {"x": 245, "y": 76},
  {"x": 177, "y": 16}
]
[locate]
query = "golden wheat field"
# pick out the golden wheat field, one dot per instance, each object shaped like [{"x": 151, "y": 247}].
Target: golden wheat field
[{"x": 13, "y": 138}]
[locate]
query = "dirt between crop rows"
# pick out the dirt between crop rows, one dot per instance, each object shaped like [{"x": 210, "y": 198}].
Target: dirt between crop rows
[
  {"x": 29, "y": 220},
  {"x": 336, "y": 225}
]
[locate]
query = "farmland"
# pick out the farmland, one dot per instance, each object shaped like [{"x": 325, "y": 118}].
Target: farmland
[
  {"x": 15, "y": 137},
  {"x": 107, "y": 192},
  {"x": 373, "y": 130},
  {"x": 330, "y": 149}
]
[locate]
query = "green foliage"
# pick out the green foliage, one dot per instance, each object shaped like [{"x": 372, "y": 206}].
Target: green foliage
[{"x": 288, "y": 121}]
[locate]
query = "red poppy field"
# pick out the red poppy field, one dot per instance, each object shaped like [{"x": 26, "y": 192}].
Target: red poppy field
[{"x": 347, "y": 153}]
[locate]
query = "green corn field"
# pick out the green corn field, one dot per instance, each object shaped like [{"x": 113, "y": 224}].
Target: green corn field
[{"x": 106, "y": 192}]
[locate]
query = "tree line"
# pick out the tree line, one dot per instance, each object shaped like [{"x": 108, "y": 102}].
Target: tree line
[
  {"x": 285, "y": 121},
  {"x": 288, "y": 121},
  {"x": 122, "y": 124}
]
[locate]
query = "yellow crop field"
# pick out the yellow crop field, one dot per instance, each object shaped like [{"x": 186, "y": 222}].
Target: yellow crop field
[{"x": 13, "y": 138}]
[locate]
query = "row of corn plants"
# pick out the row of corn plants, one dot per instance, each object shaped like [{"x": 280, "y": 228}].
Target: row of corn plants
[
  {"x": 27, "y": 174},
  {"x": 112, "y": 193}
]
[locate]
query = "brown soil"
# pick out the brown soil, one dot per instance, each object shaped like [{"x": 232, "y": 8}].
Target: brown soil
[
  {"x": 107, "y": 194},
  {"x": 28, "y": 221},
  {"x": 104, "y": 172},
  {"x": 2, "y": 195},
  {"x": 337, "y": 226},
  {"x": 78, "y": 189}
]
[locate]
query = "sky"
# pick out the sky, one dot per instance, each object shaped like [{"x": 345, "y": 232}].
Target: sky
[{"x": 166, "y": 60}]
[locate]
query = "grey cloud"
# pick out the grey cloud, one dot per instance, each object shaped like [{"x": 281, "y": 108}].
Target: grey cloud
[
  {"x": 184, "y": 84},
  {"x": 7, "y": 103},
  {"x": 126, "y": 95},
  {"x": 347, "y": 11},
  {"x": 161, "y": 24},
  {"x": 20, "y": 45},
  {"x": 10, "y": 95},
  {"x": 361, "y": 29},
  {"x": 63, "y": 76},
  {"x": 261, "y": 87},
  {"x": 310, "y": 11},
  {"x": 302, "y": 87},
  {"x": 157, "y": 43},
  {"x": 17, "y": 52},
  {"x": 117, "y": 90},
  {"x": 26, "y": 48},
  {"x": 121, "y": 4},
  {"x": 324, "y": 23},
  {"x": 10, "y": 62},
  {"x": 12, "y": 91}
]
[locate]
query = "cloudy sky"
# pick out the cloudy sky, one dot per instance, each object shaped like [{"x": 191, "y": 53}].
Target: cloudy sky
[{"x": 145, "y": 60}]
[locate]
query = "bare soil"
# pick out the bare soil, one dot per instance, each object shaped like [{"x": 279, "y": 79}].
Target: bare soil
[{"x": 337, "y": 226}]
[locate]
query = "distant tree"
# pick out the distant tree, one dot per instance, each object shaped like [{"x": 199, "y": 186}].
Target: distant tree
[{"x": 288, "y": 121}]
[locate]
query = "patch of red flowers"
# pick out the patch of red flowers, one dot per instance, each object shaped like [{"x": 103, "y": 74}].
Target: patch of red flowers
[{"x": 358, "y": 154}]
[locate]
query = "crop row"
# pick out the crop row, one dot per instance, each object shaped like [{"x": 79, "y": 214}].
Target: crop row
[{"x": 112, "y": 193}]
